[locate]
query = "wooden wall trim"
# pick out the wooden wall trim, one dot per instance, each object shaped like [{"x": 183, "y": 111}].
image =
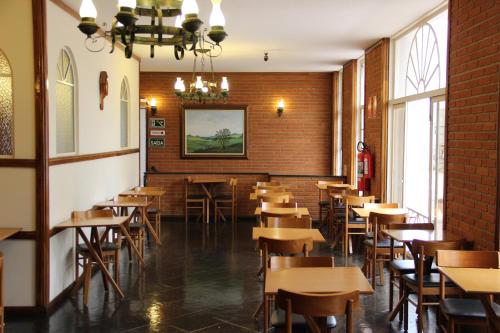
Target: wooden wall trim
[
  {"x": 354, "y": 113},
  {"x": 24, "y": 235},
  {"x": 447, "y": 109},
  {"x": 90, "y": 157},
  {"x": 269, "y": 175},
  {"x": 39, "y": 11},
  {"x": 497, "y": 228},
  {"x": 17, "y": 163},
  {"x": 73, "y": 13},
  {"x": 384, "y": 96},
  {"x": 335, "y": 121}
]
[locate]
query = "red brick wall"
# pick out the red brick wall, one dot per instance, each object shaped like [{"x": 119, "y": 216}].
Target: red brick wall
[
  {"x": 376, "y": 74},
  {"x": 298, "y": 143},
  {"x": 472, "y": 121},
  {"x": 349, "y": 77}
]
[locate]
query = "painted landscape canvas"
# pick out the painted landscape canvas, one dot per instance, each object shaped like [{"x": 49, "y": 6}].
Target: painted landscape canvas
[{"x": 214, "y": 132}]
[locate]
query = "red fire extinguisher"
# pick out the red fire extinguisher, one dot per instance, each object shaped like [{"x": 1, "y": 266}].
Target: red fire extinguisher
[{"x": 365, "y": 171}]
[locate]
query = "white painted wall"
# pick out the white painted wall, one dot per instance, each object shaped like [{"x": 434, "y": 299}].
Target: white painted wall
[
  {"x": 17, "y": 194},
  {"x": 78, "y": 186}
]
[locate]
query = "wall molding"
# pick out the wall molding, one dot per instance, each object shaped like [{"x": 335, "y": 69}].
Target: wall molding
[
  {"x": 265, "y": 174},
  {"x": 24, "y": 235},
  {"x": 17, "y": 163},
  {"x": 90, "y": 157}
]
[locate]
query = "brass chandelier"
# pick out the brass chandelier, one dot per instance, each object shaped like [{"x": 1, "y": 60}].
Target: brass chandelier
[
  {"x": 182, "y": 35},
  {"x": 202, "y": 90}
]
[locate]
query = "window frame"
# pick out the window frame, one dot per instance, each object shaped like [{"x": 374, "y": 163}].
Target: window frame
[
  {"x": 127, "y": 89},
  {"x": 13, "y": 130}
]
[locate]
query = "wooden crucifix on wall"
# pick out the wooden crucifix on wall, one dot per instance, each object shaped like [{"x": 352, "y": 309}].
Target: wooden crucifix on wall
[{"x": 103, "y": 88}]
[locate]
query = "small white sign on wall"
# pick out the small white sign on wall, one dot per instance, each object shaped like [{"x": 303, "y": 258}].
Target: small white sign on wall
[{"x": 157, "y": 133}]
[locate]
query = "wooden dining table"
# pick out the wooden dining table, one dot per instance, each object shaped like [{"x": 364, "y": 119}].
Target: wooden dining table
[
  {"x": 139, "y": 205},
  {"x": 365, "y": 212},
  {"x": 324, "y": 187},
  {"x": 287, "y": 233},
  {"x": 208, "y": 186},
  {"x": 314, "y": 280},
  {"x": 94, "y": 243}
]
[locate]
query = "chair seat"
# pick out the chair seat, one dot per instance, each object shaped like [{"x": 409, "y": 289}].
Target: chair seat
[
  {"x": 430, "y": 281},
  {"x": 196, "y": 197},
  {"x": 278, "y": 319},
  {"x": 106, "y": 246},
  {"x": 407, "y": 266},
  {"x": 464, "y": 307},
  {"x": 383, "y": 244}
]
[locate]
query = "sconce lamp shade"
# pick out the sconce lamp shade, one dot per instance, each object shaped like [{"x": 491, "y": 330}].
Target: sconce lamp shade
[{"x": 280, "y": 108}]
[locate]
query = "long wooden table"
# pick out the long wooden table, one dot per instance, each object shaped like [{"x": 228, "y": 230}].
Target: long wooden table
[
  {"x": 94, "y": 244},
  {"x": 314, "y": 280},
  {"x": 365, "y": 212},
  {"x": 139, "y": 205},
  {"x": 301, "y": 210},
  {"x": 208, "y": 186},
  {"x": 287, "y": 233}
]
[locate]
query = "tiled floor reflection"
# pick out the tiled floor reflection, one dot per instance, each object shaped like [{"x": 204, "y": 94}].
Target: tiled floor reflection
[{"x": 202, "y": 279}]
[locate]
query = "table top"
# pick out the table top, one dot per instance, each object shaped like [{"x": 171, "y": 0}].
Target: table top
[
  {"x": 253, "y": 195},
  {"x": 93, "y": 222},
  {"x": 7, "y": 232},
  {"x": 326, "y": 186},
  {"x": 409, "y": 235},
  {"x": 208, "y": 180},
  {"x": 287, "y": 233},
  {"x": 474, "y": 280},
  {"x": 302, "y": 211},
  {"x": 112, "y": 203},
  {"x": 365, "y": 212},
  {"x": 143, "y": 192},
  {"x": 318, "y": 279}
]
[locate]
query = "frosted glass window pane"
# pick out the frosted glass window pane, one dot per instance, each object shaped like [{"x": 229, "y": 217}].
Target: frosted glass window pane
[
  {"x": 6, "y": 108},
  {"x": 65, "y": 129},
  {"x": 123, "y": 124}
]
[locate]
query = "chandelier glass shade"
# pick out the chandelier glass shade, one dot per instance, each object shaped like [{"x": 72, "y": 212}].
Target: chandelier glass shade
[
  {"x": 203, "y": 87},
  {"x": 182, "y": 35}
]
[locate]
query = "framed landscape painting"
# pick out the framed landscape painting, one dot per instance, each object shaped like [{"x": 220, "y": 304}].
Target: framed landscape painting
[{"x": 214, "y": 131}]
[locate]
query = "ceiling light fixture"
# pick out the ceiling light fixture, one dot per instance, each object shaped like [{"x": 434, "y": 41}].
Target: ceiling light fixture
[
  {"x": 125, "y": 30},
  {"x": 201, "y": 90}
]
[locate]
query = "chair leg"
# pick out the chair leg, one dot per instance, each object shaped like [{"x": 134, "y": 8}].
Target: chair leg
[
  {"x": 391, "y": 289},
  {"x": 420, "y": 312},
  {"x": 381, "y": 271},
  {"x": 405, "y": 310},
  {"x": 186, "y": 212},
  {"x": 117, "y": 266},
  {"x": 216, "y": 218},
  {"x": 87, "y": 271}
]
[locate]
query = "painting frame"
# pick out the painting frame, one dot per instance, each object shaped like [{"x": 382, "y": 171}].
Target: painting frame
[{"x": 209, "y": 108}]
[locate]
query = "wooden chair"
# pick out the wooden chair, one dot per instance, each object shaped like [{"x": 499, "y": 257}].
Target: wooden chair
[
  {"x": 464, "y": 311},
  {"x": 424, "y": 282},
  {"x": 315, "y": 307},
  {"x": 271, "y": 188},
  {"x": 337, "y": 213},
  {"x": 136, "y": 227},
  {"x": 324, "y": 203},
  {"x": 264, "y": 216},
  {"x": 398, "y": 267},
  {"x": 273, "y": 183},
  {"x": 354, "y": 225},
  {"x": 278, "y": 317},
  {"x": 193, "y": 201},
  {"x": 267, "y": 205},
  {"x": 154, "y": 214},
  {"x": 304, "y": 222},
  {"x": 378, "y": 248},
  {"x": 280, "y": 247},
  {"x": 273, "y": 197},
  {"x": 227, "y": 202},
  {"x": 110, "y": 251}
]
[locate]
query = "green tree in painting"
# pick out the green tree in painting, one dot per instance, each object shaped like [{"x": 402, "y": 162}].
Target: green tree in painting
[{"x": 222, "y": 136}]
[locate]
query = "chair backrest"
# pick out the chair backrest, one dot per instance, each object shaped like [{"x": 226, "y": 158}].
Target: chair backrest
[
  {"x": 329, "y": 182},
  {"x": 233, "y": 181},
  {"x": 423, "y": 252},
  {"x": 271, "y": 189},
  {"x": 270, "y": 197},
  {"x": 286, "y": 246},
  {"x": 371, "y": 205},
  {"x": 273, "y": 183},
  {"x": 304, "y": 222},
  {"x": 380, "y": 221},
  {"x": 278, "y": 263},
  {"x": 90, "y": 214},
  {"x": 267, "y": 205},
  {"x": 355, "y": 201},
  {"x": 265, "y": 215},
  {"x": 320, "y": 305},
  {"x": 410, "y": 226},
  {"x": 468, "y": 259}
]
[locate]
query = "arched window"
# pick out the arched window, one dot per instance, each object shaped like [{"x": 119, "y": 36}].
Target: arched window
[
  {"x": 65, "y": 104},
  {"x": 124, "y": 96},
  {"x": 6, "y": 108}
]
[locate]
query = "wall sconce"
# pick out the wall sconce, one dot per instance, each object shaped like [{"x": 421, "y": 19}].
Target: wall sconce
[
  {"x": 280, "y": 108},
  {"x": 152, "y": 106}
]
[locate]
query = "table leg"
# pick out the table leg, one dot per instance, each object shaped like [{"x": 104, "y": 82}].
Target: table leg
[
  {"x": 96, "y": 243},
  {"x": 131, "y": 242},
  {"x": 266, "y": 314},
  {"x": 99, "y": 262},
  {"x": 148, "y": 224}
]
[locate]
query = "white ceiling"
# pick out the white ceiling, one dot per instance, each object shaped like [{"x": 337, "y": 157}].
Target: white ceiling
[{"x": 300, "y": 35}]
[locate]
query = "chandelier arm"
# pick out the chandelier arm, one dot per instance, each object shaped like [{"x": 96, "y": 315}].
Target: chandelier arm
[{"x": 160, "y": 24}]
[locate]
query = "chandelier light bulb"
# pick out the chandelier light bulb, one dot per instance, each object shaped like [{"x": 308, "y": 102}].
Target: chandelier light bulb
[
  {"x": 127, "y": 3},
  {"x": 190, "y": 7},
  {"x": 204, "y": 89},
  {"x": 224, "y": 86},
  {"x": 216, "y": 17},
  {"x": 199, "y": 83},
  {"x": 87, "y": 9},
  {"x": 178, "y": 20},
  {"x": 179, "y": 85}
]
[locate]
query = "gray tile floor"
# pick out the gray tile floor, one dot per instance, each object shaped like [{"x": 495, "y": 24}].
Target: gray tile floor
[{"x": 202, "y": 279}]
